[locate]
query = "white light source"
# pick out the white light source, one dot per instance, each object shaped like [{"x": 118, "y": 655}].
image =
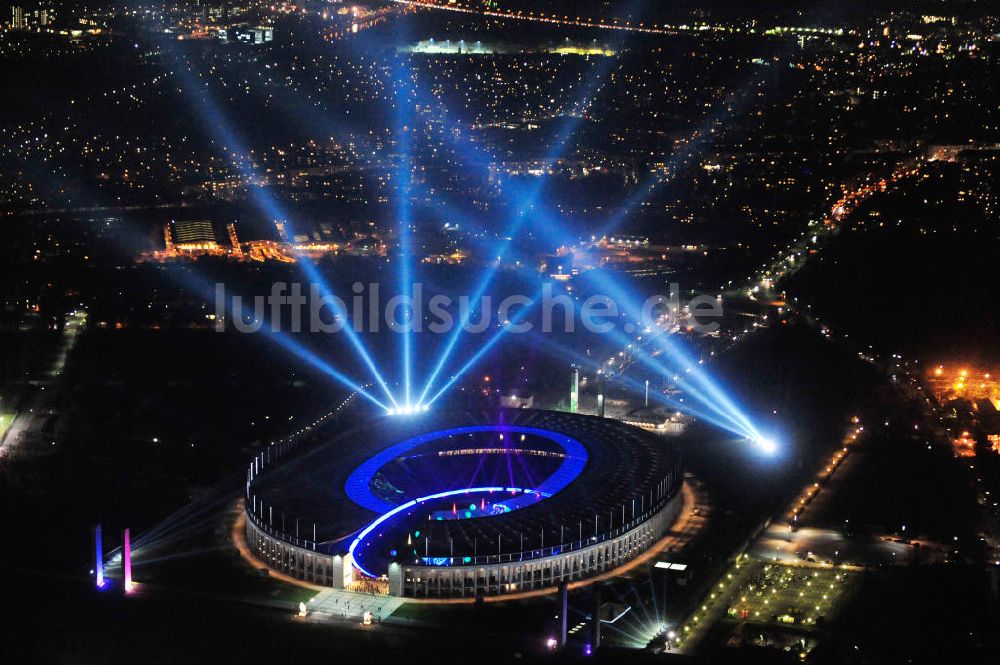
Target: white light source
[
  {"x": 409, "y": 410},
  {"x": 767, "y": 445}
]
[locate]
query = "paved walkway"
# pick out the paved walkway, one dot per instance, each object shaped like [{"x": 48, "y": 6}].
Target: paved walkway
[{"x": 348, "y": 604}]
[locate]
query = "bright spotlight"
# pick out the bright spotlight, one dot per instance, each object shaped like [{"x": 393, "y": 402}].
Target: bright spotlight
[
  {"x": 767, "y": 445},
  {"x": 408, "y": 410}
]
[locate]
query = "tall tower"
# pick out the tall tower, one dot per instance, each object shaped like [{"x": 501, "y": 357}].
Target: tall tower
[
  {"x": 574, "y": 390},
  {"x": 126, "y": 561},
  {"x": 600, "y": 393},
  {"x": 234, "y": 240},
  {"x": 98, "y": 558},
  {"x": 168, "y": 239}
]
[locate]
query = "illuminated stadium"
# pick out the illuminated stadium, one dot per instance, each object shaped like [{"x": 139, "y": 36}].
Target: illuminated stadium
[{"x": 463, "y": 505}]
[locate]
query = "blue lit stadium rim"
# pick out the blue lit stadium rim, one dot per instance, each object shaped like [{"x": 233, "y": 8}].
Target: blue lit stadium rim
[
  {"x": 358, "y": 485},
  {"x": 533, "y": 494}
]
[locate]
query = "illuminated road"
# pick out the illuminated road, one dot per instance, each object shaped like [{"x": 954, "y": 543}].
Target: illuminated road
[
  {"x": 553, "y": 19},
  {"x": 761, "y": 284},
  {"x": 794, "y": 257},
  {"x": 32, "y": 418},
  {"x": 609, "y": 23}
]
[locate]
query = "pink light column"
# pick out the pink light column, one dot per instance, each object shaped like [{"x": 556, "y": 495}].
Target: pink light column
[{"x": 127, "y": 561}]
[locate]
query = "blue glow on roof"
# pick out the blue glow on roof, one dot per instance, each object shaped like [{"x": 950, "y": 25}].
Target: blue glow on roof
[
  {"x": 358, "y": 484},
  {"x": 406, "y": 506}
]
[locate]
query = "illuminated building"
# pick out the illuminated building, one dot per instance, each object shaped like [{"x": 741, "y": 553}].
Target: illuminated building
[
  {"x": 191, "y": 237},
  {"x": 600, "y": 494},
  {"x": 282, "y": 231},
  {"x": 461, "y": 47},
  {"x": 168, "y": 240},
  {"x": 970, "y": 398},
  {"x": 18, "y": 21},
  {"x": 193, "y": 232},
  {"x": 655, "y": 420},
  {"x": 234, "y": 240},
  {"x": 255, "y": 35}
]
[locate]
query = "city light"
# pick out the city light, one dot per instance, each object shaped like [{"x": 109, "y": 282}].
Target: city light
[
  {"x": 505, "y": 300},
  {"x": 696, "y": 384}
]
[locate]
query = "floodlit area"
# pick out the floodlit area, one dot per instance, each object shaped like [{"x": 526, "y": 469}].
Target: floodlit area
[
  {"x": 792, "y": 595},
  {"x": 762, "y": 603}
]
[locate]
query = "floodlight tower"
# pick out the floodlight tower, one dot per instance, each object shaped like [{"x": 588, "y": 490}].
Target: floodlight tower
[
  {"x": 234, "y": 240},
  {"x": 600, "y": 393},
  {"x": 574, "y": 390}
]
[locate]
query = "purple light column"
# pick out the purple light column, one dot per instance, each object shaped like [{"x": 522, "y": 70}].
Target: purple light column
[
  {"x": 98, "y": 558},
  {"x": 127, "y": 562}
]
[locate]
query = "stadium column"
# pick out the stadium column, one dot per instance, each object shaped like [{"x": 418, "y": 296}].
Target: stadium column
[
  {"x": 395, "y": 579},
  {"x": 341, "y": 572}
]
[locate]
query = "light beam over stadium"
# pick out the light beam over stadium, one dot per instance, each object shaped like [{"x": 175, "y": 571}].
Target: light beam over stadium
[
  {"x": 210, "y": 112},
  {"x": 710, "y": 416},
  {"x": 524, "y": 200},
  {"x": 484, "y": 348},
  {"x": 403, "y": 122},
  {"x": 209, "y": 293}
]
